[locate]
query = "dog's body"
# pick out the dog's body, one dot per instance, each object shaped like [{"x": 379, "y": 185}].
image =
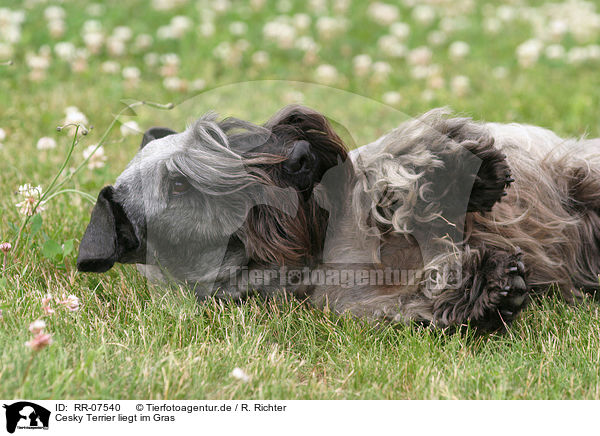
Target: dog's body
[{"x": 428, "y": 199}]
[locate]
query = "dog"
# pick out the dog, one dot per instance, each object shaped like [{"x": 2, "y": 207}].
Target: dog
[{"x": 444, "y": 221}]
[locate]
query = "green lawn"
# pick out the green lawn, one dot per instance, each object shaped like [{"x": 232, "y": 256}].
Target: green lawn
[{"x": 127, "y": 340}]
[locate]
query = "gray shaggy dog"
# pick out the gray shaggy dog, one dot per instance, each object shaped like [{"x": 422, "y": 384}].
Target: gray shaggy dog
[{"x": 444, "y": 221}]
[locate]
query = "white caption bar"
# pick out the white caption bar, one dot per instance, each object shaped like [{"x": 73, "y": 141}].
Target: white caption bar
[{"x": 149, "y": 417}]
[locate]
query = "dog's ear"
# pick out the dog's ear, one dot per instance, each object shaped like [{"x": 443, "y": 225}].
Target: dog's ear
[
  {"x": 155, "y": 133},
  {"x": 108, "y": 236}
]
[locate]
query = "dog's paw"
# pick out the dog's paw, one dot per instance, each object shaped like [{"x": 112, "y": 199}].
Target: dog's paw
[
  {"x": 507, "y": 292},
  {"x": 511, "y": 293},
  {"x": 493, "y": 177}
]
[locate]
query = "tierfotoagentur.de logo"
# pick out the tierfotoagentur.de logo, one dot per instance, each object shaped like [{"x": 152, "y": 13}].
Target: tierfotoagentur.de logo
[{"x": 24, "y": 415}]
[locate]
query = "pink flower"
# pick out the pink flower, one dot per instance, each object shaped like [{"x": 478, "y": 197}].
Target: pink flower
[
  {"x": 5, "y": 247},
  {"x": 39, "y": 341},
  {"x": 37, "y": 327},
  {"x": 47, "y": 299},
  {"x": 48, "y": 310},
  {"x": 71, "y": 302}
]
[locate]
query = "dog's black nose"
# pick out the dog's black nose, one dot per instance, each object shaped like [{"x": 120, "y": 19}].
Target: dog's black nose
[{"x": 301, "y": 159}]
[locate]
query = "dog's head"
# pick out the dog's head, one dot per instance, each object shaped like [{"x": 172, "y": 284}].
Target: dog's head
[{"x": 219, "y": 195}]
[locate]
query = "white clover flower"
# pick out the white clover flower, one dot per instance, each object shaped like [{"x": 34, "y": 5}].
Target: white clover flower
[
  {"x": 151, "y": 59},
  {"x": 435, "y": 81},
  {"x": 330, "y": 27},
  {"x": 93, "y": 41},
  {"x": 170, "y": 65},
  {"x": 555, "y": 52},
  {"x": 528, "y": 52},
  {"x": 492, "y": 25},
  {"x": 122, "y": 33},
  {"x": 115, "y": 46},
  {"x": 326, "y": 74},
  {"x": 506, "y": 13},
  {"x": 240, "y": 374},
  {"x": 166, "y": 5},
  {"x": 2, "y": 134},
  {"x": 197, "y": 85},
  {"x": 65, "y": 50},
  {"x": 6, "y": 50},
  {"x": 75, "y": 116},
  {"x": 36, "y": 62},
  {"x": 283, "y": 34},
  {"x": 130, "y": 128},
  {"x": 110, "y": 67},
  {"x": 381, "y": 71},
  {"x": 391, "y": 46},
  {"x": 382, "y": 13},
  {"x": 427, "y": 95},
  {"x": 221, "y": 6},
  {"x": 238, "y": 28},
  {"x": 180, "y": 24},
  {"x": 318, "y": 6},
  {"x": 207, "y": 29},
  {"x": 423, "y": 14},
  {"x": 392, "y": 98},
  {"x": 420, "y": 56},
  {"x": 557, "y": 29},
  {"x": 301, "y": 22},
  {"x": 458, "y": 50},
  {"x": 341, "y": 6},
  {"x": 54, "y": 13},
  {"x": 79, "y": 64},
  {"x": 400, "y": 30},
  {"x": 91, "y": 26},
  {"x": 30, "y": 195},
  {"x": 143, "y": 41},
  {"x": 307, "y": 44},
  {"x": 460, "y": 85},
  {"x": 593, "y": 52},
  {"x": 131, "y": 73},
  {"x": 362, "y": 64},
  {"x": 420, "y": 72},
  {"x": 437, "y": 37},
  {"x": 577, "y": 55},
  {"x": 452, "y": 24},
  {"x": 175, "y": 84},
  {"x": 228, "y": 53},
  {"x": 96, "y": 158},
  {"x": 260, "y": 59},
  {"x": 46, "y": 143},
  {"x": 57, "y": 28}
]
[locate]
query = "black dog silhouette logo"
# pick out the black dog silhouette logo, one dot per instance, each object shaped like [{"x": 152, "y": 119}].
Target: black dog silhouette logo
[{"x": 26, "y": 415}]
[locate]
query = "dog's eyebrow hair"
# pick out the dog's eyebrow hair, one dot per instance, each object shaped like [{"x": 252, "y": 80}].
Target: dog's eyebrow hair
[{"x": 210, "y": 162}]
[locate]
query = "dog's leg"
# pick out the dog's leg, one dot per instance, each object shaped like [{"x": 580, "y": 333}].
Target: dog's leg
[
  {"x": 431, "y": 173},
  {"x": 490, "y": 292},
  {"x": 472, "y": 167}
]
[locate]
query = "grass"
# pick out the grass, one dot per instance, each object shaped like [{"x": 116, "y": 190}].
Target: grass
[{"x": 127, "y": 341}]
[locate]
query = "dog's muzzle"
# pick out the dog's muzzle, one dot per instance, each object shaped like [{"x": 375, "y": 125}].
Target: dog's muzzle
[{"x": 109, "y": 237}]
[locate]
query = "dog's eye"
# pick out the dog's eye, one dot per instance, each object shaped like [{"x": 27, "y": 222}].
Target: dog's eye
[{"x": 179, "y": 186}]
